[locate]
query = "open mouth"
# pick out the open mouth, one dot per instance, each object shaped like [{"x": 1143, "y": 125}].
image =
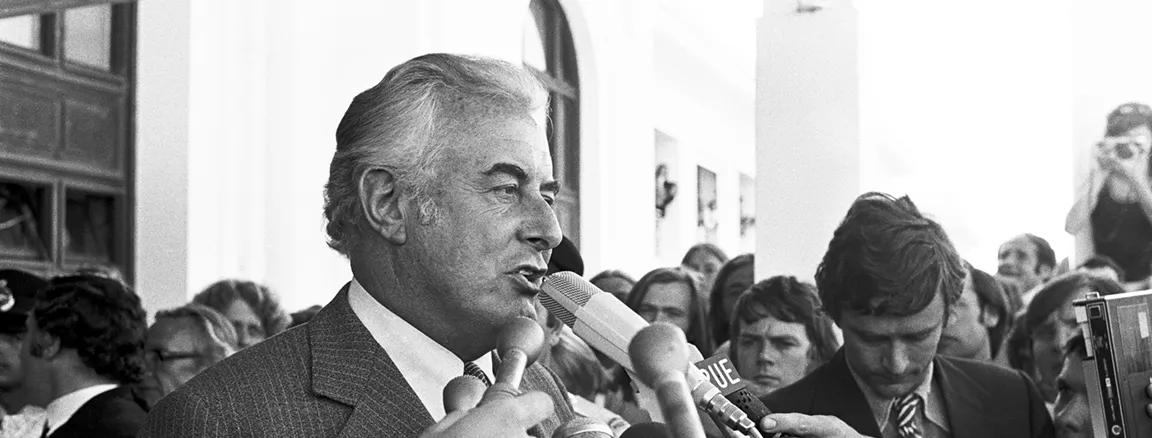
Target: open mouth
[{"x": 533, "y": 276}]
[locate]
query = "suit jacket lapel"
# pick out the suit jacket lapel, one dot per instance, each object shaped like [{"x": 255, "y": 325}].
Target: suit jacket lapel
[
  {"x": 962, "y": 395},
  {"x": 839, "y": 396},
  {"x": 349, "y": 366}
]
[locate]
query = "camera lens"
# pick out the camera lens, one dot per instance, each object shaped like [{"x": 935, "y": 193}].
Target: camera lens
[{"x": 1124, "y": 151}]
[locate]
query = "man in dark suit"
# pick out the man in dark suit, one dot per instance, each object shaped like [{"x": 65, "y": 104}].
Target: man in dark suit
[
  {"x": 440, "y": 194},
  {"x": 889, "y": 279},
  {"x": 87, "y": 334}
]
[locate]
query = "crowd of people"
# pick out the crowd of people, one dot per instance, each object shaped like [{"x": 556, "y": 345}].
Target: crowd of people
[{"x": 440, "y": 196}]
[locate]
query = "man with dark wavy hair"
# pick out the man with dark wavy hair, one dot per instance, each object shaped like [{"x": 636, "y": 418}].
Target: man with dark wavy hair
[
  {"x": 87, "y": 333},
  {"x": 890, "y": 280}
]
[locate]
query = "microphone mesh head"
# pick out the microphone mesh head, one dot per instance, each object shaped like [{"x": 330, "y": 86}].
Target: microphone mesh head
[{"x": 571, "y": 287}]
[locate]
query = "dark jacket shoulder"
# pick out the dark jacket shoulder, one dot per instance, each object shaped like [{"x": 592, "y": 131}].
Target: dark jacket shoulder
[{"x": 114, "y": 413}]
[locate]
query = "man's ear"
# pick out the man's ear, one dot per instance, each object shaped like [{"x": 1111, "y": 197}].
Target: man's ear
[
  {"x": 380, "y": 199},
  {"x": 552, "y": 329},
  {"x": 44, "y": 346},
  {"x": 988, "y": 316},
  {"x": 1045, "y": 272}
]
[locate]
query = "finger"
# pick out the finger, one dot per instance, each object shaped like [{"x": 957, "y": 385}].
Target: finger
[
  {"x": 523, "y": 411},
  {"x": 799, "y": 424},
  {"x": 444, "y": 424}
]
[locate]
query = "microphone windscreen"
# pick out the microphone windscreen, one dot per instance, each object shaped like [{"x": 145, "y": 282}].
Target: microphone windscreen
[
  {"x": 646, "y": 430},
  {"x": 463, "y": 393},
  {"x": 583, "y": 427}
]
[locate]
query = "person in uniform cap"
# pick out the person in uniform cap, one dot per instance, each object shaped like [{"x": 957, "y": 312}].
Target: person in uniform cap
[{"x": 23, "y": 394}]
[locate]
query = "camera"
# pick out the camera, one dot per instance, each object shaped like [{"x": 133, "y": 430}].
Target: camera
[
  {"x": 1118, "y": 367},
  {"x": 1124, "y": 151}
]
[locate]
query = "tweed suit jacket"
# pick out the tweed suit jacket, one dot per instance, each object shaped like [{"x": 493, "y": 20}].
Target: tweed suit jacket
[
  {"x": 327, "y": 378},
  {"x": 981, "y": 400}
]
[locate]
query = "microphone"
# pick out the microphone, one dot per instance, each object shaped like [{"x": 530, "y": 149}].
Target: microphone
[
  {"x": 462, "y": 393},
  {"x": 608, "y": 325},
  {"x": 583, "y": 427},
  {"x": 722, "y": 374},
  {"x": 660, "y": 354},
  {"x": 646, "y": 430},
  {"x": 518, "y": 347}
]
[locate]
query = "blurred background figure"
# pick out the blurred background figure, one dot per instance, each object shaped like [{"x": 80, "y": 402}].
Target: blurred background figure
[
  {"x": 1112, "y": 215},
  {"x": 106, "y": 271},
  {"x": 706, "y": 259},
  {"x": 1027, "y": 260},
  {"x": 979, "y": 321},
  {"x": 1103, "y": 266},
  {"x": 672, "y": 295},
  {"x": 779, "y": 334},
  {"x": 1047, "y": 326},
  {"x": 87, "y": 333},
  {"x": 253, "y": 308},
  {"x": 734, "y": 278},
  {"x": 181, "y": 343},
  {"x": 614, "y": 282},
  {"x": 302, "y": 316},
  {"x": 23, "y": 389},
  {"x": 1071, "y": 415}
]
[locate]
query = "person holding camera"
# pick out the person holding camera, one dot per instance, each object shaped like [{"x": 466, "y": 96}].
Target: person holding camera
[{"x": 1114, "y": 217}]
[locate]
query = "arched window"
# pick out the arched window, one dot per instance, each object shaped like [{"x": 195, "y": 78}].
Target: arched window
[{"x": 548, "y": 51}]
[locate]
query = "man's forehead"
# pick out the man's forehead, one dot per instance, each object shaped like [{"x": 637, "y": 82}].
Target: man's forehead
[{"x": 1021, "y": 243}]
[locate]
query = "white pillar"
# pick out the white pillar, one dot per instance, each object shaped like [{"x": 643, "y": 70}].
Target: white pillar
[
  {"x": 162, "y": 92},
  {"x": 807, "y": 133}
]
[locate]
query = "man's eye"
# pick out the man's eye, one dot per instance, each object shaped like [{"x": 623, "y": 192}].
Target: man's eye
[{"x": 507, "y": 190}]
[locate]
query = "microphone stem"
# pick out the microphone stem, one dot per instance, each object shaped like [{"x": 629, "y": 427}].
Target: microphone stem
[{"x": 512, "y": 366}]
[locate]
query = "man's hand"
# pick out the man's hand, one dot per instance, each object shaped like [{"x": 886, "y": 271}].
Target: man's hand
[
  {"x": 807, "y": 426},
  {"x": 1112, "y": 163},
  {"x": 507, "y": 417}
]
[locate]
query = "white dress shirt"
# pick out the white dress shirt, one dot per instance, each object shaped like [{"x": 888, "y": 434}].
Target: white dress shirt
[
  {"x": 425, "y": 364},
  {"x": 61, "y": 409},
  {"x": 29, "y": 422},
  {"x": 932, "y": 420}
]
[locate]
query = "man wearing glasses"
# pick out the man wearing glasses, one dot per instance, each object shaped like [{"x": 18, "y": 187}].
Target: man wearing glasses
[{"x": 183, "y": 342}]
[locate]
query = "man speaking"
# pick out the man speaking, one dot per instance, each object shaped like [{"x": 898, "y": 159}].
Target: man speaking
[{"x": 440, "y": 194}]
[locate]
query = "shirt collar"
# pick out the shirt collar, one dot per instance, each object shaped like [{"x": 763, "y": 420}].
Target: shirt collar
[
  {"x": 882, "y": 406},
  {"x": 60, "y": 410},
  {"x": 425, "y": 364}
]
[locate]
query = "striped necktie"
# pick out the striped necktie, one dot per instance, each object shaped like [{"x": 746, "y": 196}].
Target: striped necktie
[
  {"x": 907, "y": 407},
  {"x": 471, "y": 369}
]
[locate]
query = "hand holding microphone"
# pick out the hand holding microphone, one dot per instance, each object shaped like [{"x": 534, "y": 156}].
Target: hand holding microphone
[
  {"x": 608, "y": 325},
  {"x": 659, "y": 354},
  {"x": 518, "y": 347}
]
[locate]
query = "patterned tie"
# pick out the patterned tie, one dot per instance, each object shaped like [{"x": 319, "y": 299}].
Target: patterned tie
[
  {"x": 471, "y": 369},
  {"x": 906, "y": 408}
]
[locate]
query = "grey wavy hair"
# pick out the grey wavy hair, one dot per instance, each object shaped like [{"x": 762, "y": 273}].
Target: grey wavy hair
[{"x": 404, "y": 123}]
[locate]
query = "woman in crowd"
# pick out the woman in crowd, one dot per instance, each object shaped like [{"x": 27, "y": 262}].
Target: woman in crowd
[
  {"x": 734, "y": 278},
  {"x": 614, "y": 282},
  {"x": 706, "y": 259},
  {"x": 183, "y": 342},
  {"x": 779, "y": 334},
  {"x": 254, "y": 309},
  {"x": 672, "y": 295},
  {"x": 1113, "y": 217}
]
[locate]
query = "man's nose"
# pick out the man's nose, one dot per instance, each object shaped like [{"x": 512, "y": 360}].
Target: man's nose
[
  {"x": 897, "y": 361},
  {"x": 768, "y": 355},
  {"x": 541, "y": 229}
]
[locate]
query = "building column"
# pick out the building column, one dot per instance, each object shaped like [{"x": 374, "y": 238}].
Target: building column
[{"x": 807, "y": 133}]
